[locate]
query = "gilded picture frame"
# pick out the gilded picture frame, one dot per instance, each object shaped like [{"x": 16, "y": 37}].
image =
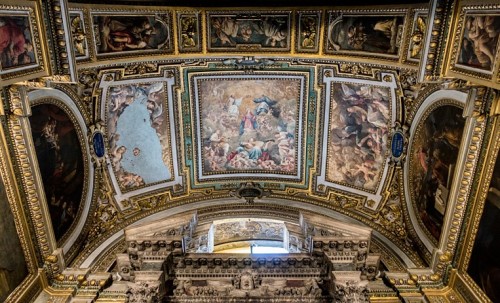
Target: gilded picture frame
[
  {"x": 24, "y": 55},
  {"x": 308, "y": 31},
  {"x": 268, "y": 31},
  {"x": 365, "y": 33},
  {"x": 189, "y": 35},
  {"x": 462, "y": 280},
  {"x": 126, "y": 32},
  {"x": 32, "y": 283},
  {"x": 476, "y": 44}
]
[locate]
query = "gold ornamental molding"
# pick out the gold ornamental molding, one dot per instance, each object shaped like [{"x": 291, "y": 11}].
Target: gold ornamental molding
[{"x": 26, "y": 165}]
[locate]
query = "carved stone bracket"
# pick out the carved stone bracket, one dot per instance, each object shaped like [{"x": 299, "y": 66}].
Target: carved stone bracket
[{"x": 250, "y": 191}]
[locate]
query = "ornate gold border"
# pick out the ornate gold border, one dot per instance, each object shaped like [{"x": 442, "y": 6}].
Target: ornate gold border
[
  {"x": 31, "y": 285},
  {"x": 85, "y": 158},
  {"x": 33, "y": 10},
  {"x": 411, "y": 173},
  {"x": 477, "y": 75},
  {"x": 464, "y": 283}
]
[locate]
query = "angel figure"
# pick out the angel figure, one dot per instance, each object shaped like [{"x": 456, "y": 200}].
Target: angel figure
[{"x": 417, "y": 38}]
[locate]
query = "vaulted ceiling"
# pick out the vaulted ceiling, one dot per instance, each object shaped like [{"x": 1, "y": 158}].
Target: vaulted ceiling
[{"x": 262, "y": 113}]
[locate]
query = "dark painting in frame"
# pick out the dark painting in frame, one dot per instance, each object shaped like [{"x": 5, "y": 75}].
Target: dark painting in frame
[
  {"x": 484, "y": 266},
  {"x": 60, "y": 160},
  {"x": 242, "y": 31},
  {"x": 308, "y": 33},
  {"x": 131, "y": 34},
  {"x": 13, "y": 268},
  {"x": 189, "y": 32},
  {"x": 433, "y": 157},
  {"x": 379, "y": 35}
]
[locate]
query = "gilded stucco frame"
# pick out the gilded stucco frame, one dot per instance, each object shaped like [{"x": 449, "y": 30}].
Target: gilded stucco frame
[
  {"x": 41, "y": 67},
  {"x": 73, "y": 111},
  {"x": 35, "y": 280},
  {"x": 454, "y": 68},
  {"x": 460, "y": 280}
]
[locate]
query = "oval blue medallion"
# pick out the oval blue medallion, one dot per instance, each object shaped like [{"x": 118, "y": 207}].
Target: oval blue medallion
[
  {"x": 397, "y": 144},
  {"x": 98, "y": 143}
]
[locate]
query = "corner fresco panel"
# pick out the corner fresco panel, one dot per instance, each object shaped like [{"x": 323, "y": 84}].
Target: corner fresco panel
[
  {"x": 61, "y": 164},
  {"x": 115, "y": 34},
  {"x": 138, "y": 111},
  {"x": 249, "y": 125},
  {"x": 269, "y": 32},
  {"x": 358, "y": 132},
  {"x": 370, "y": 34},
  {"x": 12, "y": 263},
  {"x": 17, "y": 48},
  {"x": 480, "y": 41},
  {"x": 433, "y": 157},
  {"x": 484, "y": 265}
]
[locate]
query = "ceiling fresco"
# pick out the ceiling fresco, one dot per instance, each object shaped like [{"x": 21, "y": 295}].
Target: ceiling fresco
[{"x": 335, "y": 132}]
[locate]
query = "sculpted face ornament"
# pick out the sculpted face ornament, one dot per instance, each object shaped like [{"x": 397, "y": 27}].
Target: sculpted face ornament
[{"x": 246, "y": 282}]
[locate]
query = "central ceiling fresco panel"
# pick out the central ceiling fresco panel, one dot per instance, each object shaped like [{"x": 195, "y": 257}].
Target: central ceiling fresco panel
[{"x": 249, "y": 124}]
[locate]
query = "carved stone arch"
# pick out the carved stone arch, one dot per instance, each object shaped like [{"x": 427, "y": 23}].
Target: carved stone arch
[
  {"x": 68, "y": 105},
  {"x": 281, "y": 209}
]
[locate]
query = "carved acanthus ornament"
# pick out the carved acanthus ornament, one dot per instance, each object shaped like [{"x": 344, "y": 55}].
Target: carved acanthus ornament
[
  {"x": 144, "y": 292},
  {"x": 349, "y": 288}
]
